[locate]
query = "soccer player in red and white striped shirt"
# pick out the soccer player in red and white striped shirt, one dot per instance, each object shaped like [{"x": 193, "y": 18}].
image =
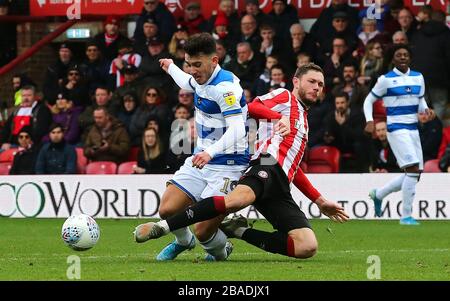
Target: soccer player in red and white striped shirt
[{"x": 266, "y": 183}]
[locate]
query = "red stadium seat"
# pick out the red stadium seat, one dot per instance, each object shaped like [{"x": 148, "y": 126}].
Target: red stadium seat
[
  {"x": 126, "y": 168},
  {"x": 82, "y": 161},
  {"x": 8, "y": 155},
  {"x": 379, "y": 111},
  {"x": 133, "y": 154},
  {"x": 101, "y": 168},
  {"x": 5, "y": 167},
  {"x": 431, "y": 166},
  {"x": 323, "y": 159}
]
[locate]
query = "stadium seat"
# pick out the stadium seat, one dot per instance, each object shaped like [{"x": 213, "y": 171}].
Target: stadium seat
[
  {"x": 323, "y": 159},
  {"x": 5, "y": 167},
  {"x": 126, "y": 168},
  {"x": 101, "y": 168},
  {"x": 431, "y": 166},
  {"x": 82, "y": 161},
  {"x": 133, "y": 154},
  {"x": 8, "y": 155},
  {"x": 379, "y": 111}
]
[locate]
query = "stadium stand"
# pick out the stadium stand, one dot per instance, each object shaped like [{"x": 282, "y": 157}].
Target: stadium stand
[
  {"x": 127, "y": 168},
  {"x": 431, "y": 166},
  {"x": 101, "y": 168},
  {"x": 5, "y": 168},
  {"x": 82, "y": 161},
  {"x": 8, "y": 155},
  {"x": 323, "y": 159}
]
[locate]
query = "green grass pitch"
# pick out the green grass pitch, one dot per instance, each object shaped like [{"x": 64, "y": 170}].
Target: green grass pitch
[{"x": 31, "y": 249}]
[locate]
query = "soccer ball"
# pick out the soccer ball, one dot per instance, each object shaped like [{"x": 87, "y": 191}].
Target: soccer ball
[{"x": 80, "y": 232}]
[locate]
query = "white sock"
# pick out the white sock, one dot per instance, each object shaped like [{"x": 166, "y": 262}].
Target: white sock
[
  {"x": 183, "y": 236},
  {"x": 164, "y": 225},
  {"x": 391, "y": 186},
  {"x": 409, "y": 191},
  {"x": 216, "y": 245}
]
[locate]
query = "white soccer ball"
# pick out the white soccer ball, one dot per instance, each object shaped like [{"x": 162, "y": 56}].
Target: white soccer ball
[{"x": 80, "y": 232}]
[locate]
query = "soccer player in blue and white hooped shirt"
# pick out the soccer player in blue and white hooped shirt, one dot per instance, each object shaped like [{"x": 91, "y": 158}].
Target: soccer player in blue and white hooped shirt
[
  {"x": 402, "y": 91},
  {"x": 221, "y": 155}
]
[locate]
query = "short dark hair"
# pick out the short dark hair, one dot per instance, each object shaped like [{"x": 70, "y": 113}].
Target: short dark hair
[
  {"x": 400, "y": 46},
  {"x": 55, "y": 125},
  {"x": 103, "y": 87},
  {"x": 342, "y": 94},
  {"x": 277, "y": 66},
  {"x": 349, "y": 63},
  {"x": 305, "y": 68},
  {"x": 221, "y": 43},
  {"x": 104, "y": 109},
  {"x": 201, "y": 43},
  {"x": 396, "y": 4},
  {"x": 266, "y": 26},
  {"x": 180, "y": 105}
]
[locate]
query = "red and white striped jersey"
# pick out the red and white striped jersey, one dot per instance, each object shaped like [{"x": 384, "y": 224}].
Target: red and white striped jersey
[
  {"x": 288, "y": 150},
  {"x": 130, "y": 59}
]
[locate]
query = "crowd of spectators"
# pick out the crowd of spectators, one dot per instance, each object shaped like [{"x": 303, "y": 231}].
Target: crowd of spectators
[{"x": 117, "y": 97}]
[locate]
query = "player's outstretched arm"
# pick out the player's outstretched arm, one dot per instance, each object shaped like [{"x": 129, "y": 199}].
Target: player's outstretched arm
[
  {"x": 259, "y": 111},
  {"x": 331, "y": 209},
  {"x": 183, "y": 80}
]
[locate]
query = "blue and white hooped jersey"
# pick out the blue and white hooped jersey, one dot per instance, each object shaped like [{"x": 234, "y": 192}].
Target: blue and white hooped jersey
[
  {"x": 220, "y": 97},
  {"x": 402, "y": 94}
]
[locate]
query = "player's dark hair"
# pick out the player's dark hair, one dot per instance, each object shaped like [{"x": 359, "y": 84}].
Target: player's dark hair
[
  {"x": 398, "y": 47},
  {"x": 305, "y": 68},
  {"x": 200, "y": 44}
]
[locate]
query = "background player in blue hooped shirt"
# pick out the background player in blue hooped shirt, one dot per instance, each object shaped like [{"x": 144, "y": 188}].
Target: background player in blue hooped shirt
[
  {"x": 402, "y": 91},
  {"x": 221, "y": 155}
]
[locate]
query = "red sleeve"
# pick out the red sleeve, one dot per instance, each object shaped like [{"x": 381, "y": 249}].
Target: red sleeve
[
  {"x": 258, "y": 111},
  {"x": 305, "y": 186}
]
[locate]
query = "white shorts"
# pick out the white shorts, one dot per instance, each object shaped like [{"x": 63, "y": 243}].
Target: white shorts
[
  {"x": 203, "y": 183},
  {"x": 406, "y": 147}
]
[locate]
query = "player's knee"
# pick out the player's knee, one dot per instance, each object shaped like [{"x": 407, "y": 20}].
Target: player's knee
[
  {"x": 166, "y": 210},
  {"x": 305, "y": 247},
  {"x": 306, "y": 250}
]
